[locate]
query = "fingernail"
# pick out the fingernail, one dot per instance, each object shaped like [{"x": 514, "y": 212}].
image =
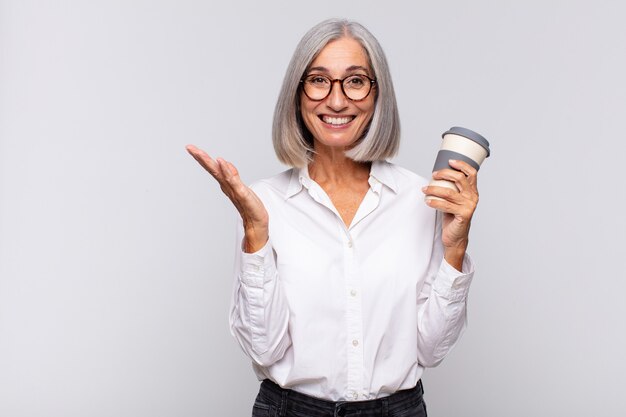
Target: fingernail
[
  {"x": 452, "y": 160},
  {"x": 424, "y": 189}
]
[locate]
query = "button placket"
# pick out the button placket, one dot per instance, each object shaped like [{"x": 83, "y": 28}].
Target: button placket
[{"x": 354, "y": 319}]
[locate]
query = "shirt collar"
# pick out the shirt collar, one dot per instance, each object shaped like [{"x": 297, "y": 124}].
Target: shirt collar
[
  {"x": 380, "y": 171},
  {"x": 295, "y": 184},
  {"x": 383, "y": 172}
]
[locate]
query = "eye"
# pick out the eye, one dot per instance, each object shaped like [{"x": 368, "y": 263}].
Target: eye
[
  {"x": 317, "y": 80},
  {"x": 355, "y": 81}
]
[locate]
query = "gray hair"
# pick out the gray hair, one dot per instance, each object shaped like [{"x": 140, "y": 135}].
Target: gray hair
[{"x": 292, "y": 141}]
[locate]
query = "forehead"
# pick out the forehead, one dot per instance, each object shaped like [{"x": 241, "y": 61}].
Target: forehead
[{"x": 340, "y": 54}]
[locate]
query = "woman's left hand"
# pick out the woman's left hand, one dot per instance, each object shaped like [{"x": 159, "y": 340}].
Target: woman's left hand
[{"x": 458, "y": 208}]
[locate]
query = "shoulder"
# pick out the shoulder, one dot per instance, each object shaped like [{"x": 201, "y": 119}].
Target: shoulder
[
  {"x": 402, "y": 178},
  {"x": 406, "y": 199},
  {"x": 275, "y": 186}
]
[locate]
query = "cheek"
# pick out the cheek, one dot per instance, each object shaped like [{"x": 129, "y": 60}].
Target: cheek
[
  {"x": 308, "y": 115},
  {"x": 368, "y": 107},
  {"x": 303, "y": 109},
  {"x": 369, "y": 113}
]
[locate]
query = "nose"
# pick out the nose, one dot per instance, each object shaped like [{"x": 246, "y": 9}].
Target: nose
[{"x": 336, "y": 100}]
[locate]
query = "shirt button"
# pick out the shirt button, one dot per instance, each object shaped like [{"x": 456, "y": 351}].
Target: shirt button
[
  {"x": 350, "y": 244},
  {"x": 355, "y": 343},
  {"x": 353, "y": 293}
]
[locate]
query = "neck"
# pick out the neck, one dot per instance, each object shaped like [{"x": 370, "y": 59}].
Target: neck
[{"x": 331, "y": 166}]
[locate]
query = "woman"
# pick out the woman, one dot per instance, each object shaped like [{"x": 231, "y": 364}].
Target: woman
[{"x": 348, "y": 284}]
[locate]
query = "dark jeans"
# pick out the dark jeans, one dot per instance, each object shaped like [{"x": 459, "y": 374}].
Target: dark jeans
[{"x": 274, "y": 401}]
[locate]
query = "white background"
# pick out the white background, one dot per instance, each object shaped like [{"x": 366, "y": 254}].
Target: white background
[{"x": 116, "y": 248}]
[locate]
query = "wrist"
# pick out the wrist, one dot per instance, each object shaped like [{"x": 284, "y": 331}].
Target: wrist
[
  {"x": 255, "y": 238},
  {"x": 454, "y": 256}
]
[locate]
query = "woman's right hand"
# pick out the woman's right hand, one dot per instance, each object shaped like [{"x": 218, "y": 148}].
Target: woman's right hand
[{"x": 250, "y": 207}]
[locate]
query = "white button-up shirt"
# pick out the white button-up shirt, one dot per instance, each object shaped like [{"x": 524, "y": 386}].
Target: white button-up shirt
[{"x": 348, "y": 313}]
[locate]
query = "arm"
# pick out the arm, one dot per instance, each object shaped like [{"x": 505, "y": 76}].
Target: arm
[
  {"x": 442, "y": 304},
  {"x": 443, "y": 299},
  {"x": 259, "y": 314}
]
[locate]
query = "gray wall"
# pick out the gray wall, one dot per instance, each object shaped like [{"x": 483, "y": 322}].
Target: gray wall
[{"x": 116, "y": 249}]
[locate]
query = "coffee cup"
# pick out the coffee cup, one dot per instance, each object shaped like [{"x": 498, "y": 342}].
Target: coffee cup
[{"x": 463, "y": 145}]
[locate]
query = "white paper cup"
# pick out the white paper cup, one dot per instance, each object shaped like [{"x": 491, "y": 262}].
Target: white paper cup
[{"x": 463, "y": 145}]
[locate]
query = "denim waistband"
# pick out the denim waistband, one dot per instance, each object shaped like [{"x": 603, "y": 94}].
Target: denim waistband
[{"x": 286, "y": 399}]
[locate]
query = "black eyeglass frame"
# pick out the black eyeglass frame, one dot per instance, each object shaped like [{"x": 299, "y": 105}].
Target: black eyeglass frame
[{"x": 332, "y": 84}]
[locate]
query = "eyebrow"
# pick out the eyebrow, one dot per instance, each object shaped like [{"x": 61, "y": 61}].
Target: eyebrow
[{"x": 349, "y": 69}]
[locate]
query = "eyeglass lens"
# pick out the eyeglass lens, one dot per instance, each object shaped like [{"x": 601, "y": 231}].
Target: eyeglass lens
[{"x": 355, "y": 87}]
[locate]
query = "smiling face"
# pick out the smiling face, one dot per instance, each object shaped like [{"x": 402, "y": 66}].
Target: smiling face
[{"x": 337, "y": 121}]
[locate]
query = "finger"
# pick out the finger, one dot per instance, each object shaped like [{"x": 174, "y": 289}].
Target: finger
[
  {"x": 457, "y": 177},
  {"x": 442, "y": 204},
  {"x": 244, "y": 199},
  {"x": 195, "y": 151},
  {"x": 451, "y": 201},
  {"x": 449, "y": 174},
  {"x": 445, "y": 193},
  {"x": 470, "y": 172},
  {"x": 462, "y": 211},
  {"x": 232, "y": 169},
  {"x": 204, "y": 160},
  {"x": 191, "y": 148},
  {"x": 225, "y": 170},
  {"x": 464, "y": 183},
  {"x": 231, "y": 176}
]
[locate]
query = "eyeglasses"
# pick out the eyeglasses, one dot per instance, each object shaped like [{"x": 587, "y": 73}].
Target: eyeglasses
[{"x": 356, "y": 87}]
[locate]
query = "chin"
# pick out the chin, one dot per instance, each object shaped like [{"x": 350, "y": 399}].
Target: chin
[{"x": 341, "y": 143}]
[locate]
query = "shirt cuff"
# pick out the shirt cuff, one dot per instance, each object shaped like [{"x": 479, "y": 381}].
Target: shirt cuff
[
  {"x": 257, "y": 268},
  {"x": 452, "y": 284}
]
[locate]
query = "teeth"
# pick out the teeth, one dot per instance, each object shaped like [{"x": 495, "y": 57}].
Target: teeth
[{"x": 336, "y": 120}]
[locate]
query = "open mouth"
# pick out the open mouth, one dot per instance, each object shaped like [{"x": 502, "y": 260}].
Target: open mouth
[{"x": 337, "y": 121}]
